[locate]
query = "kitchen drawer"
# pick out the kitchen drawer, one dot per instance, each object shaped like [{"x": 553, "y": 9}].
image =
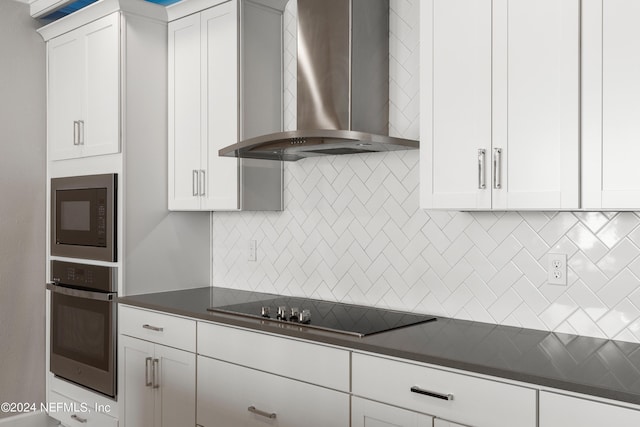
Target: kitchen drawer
[
  {"x": 317, "y": 364},
  {"x": 475, "y": 401},
  {"x": 159, "y": 328},
  {"x": 230, "y": 395},
  {"x": 557, "y": 410},
  {"x": 72, "y": 413}
]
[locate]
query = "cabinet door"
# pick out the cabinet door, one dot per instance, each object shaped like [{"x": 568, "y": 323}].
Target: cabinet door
[
  {"x": 220, "y": 103},
  {"x": 455, "y": 100},
  {"x": 536, "y": 75},
  {"x": 611, "y": 104},
  {"x": 367, "y": 413},
  {"x": 101, "y": 113},
  {"x": 136, "y": 363},
  {"x": 65, "y": 76},
  {"x": 557, "y": 410},
  {"x": 84, "y": 91},
  {"x": 175, "y": 403},
  {"x": 232, "y": 395},
  {"x": 185, "y": 133}
]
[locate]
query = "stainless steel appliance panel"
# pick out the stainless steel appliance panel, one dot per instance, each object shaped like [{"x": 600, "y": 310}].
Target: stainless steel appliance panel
[
  {"x": 84, "y": 217},
  {"x": 83, "y": 326}
]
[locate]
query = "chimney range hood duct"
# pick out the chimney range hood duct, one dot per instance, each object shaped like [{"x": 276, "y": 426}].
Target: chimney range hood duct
[{"x": 343, "y": 85}]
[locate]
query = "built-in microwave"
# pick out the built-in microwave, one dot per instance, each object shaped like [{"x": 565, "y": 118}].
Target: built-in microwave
[{"x": 83, "y": 217}]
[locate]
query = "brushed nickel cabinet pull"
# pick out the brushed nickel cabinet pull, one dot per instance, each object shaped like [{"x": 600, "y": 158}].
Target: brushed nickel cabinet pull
[
  {"x": 74, "y": 417},
  {"x": 80, "y": 132},
  {"x": 76, "y": 132},
  {"x": 147, "y": 368},
  {"x": 201, "y": 184},
  {"x": 156, "y": 373},
  {"x": 153, "y": 328},
  {"x": 482, "y": 184},
  {"x": 253, "y": 410},
  {"x": 195, "y": 182},
  {"x": 418, "y": 390},
  {"x": 497, "y": 168}
]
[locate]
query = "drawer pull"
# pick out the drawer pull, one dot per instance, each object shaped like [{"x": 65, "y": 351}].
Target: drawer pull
[
  {"x": 195, "y": 183},
  {"x": 76, "y": 132},
  {"x": 482, "y": 184},
  {"x": 155, "y": 377},
  {"x": 74, "y": 417},
  {"x": 253, "y": 410},
  {"x": 147, "y": 368},
  {"x": 153, "y": 328},
  {"x": 419, "y": 390},
  {"x": 497, "y": 168}
]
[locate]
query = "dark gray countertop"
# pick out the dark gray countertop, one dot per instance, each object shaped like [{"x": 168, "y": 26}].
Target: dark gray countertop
[{"x": 604, "y": 368}]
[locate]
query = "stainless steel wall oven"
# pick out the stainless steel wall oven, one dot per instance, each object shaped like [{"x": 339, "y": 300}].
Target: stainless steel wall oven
[
  {"x": 83, "y": 325},
  {"x": 83, "y": 217}
]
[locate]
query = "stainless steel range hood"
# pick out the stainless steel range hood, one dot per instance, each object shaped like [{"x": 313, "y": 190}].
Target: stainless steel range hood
[{"x": 343, "y": 85}]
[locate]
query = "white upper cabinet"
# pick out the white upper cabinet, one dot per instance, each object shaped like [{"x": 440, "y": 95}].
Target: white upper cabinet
[
  {"x": 611, "y": 104},
  {"x": 455, "y": 103},
  {"x": 220, "y": 103},
  {"x": 184, "y": 113},
  {"x": 84, "y": 90},
  {"x": 500, "y": 104},
  {"x": 209, "y": 91},
  {"x": 204, "y": 96}
]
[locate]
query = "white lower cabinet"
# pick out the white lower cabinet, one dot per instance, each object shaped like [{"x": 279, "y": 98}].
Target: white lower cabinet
[
  {"x": 367, "y": 413},
  {"x": 248, "y": 379},
  {"x": 73, "y": 413},
  {"x": 232, "y": 395},
  {"x": 158, "y": 387},
  {"x": 557, "y": 410},
  {"x": 443, "y": 394}
]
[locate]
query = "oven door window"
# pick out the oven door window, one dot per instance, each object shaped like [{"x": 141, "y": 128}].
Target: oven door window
[
  {"x": 82, "y": 330},
  {"x": 81, "y": 217}
]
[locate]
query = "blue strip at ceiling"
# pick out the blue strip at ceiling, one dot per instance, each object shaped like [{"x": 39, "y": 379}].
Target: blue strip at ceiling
[
  {"x": 164, "y": 2},
  {"x": 79, "y": 4},
  {"x": 68, "y": 9}
]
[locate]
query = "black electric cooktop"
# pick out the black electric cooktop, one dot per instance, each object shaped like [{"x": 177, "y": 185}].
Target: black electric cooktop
[{"x": 330, "y": 316}]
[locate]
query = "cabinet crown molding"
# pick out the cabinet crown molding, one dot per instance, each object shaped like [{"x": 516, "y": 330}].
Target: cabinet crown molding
[
  {"x": 188, "y": 7},
  {"x": 101, "y": 9}
]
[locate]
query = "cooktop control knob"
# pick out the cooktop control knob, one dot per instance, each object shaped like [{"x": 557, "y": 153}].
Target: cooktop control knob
[
  {"x": 295, "y": 314},
  {"x": 265, "y": 312},
  {"x": 282, "y": 313},
  {"x": 305, "y": 316}
]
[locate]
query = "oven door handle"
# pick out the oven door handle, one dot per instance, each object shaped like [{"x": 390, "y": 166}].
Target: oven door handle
[{"x": 98, "y": 296}]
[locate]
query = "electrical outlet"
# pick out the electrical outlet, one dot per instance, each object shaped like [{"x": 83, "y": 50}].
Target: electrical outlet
[
  {"x": 253, "y": 250},
  {"x": 557, "y": 271}
]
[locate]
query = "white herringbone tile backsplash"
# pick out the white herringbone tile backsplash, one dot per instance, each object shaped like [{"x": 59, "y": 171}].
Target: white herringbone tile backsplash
[{"x": 352, "y": 231}]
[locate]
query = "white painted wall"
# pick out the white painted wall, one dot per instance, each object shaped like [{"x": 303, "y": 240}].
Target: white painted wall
[
  {"x": 22, "y": 206},
  {"x": 352, "y": 231}
]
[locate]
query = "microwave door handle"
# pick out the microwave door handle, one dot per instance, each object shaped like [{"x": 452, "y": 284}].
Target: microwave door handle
[{"x": 98, "y": 296}]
